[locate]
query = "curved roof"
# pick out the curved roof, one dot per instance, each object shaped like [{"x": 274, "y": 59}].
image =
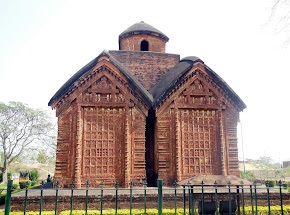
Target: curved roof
[
  {"x": 176, "y": 74},
  {"x": 131, "y": 79},
  {"x": 159, "y": 91},
  {"x": 142, "y": 28}
]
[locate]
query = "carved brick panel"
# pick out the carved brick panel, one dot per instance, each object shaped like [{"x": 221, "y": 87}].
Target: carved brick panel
[
  {"x": 198, "y": 142},
  {"x": 65, "y": 153},
  {"x": 137, "y": 151},
  {"x": 165, "y": 138},
  {"x": 232, "y": 141},
  {"x": 102, "y": 147}
]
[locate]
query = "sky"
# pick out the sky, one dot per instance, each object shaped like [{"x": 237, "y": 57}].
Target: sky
[{"x": 43, "y": 43}]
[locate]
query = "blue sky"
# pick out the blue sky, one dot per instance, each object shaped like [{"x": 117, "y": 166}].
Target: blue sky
[{"x": 43, "y": 43}]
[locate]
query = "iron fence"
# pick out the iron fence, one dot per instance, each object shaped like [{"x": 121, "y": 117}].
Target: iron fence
[{"x": 192, "y": 198}]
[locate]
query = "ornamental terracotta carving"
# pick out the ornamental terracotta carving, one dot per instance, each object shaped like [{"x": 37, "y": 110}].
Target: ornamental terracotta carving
[{"x": 135, "y": 115}]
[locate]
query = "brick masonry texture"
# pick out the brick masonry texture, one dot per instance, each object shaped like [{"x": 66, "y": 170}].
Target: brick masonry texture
[
  {"x": 108, "y": 131},
  {"x": 132, "y": 43},
  {"x": 147, "y": 67}
]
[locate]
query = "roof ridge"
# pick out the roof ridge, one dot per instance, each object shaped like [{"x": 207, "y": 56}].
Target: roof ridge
[{"x": 68, "y": 85}]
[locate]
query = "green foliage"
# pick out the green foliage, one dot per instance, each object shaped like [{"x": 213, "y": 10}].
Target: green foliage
[
  {"x": 15, "y": 186},
  {"x": 33, "y": 183},
  {"x": 21, "y": 127},
  {"x": 24, "y": 183},
  {"x": 42, "y": 157},
  {"x": 248, "y": 175},
  {"x": 125, "y": 212},
  {"x": 263, "y": 210},
  {"x": 2, "y": 199},
  {"x": 265, "y": 160},
  {"x": 33, "y": 175},
  {"x": 285, "y": 185},
  {"x": 270, "y": 183}
]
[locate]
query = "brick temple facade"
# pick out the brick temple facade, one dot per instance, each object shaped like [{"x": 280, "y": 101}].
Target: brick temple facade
[{"x": 139, "y": 113}]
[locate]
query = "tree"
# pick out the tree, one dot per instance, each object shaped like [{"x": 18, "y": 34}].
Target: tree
[
  {"x": 22, "y": 128},
  {"x": 46, "y": 156},
  {"x": 280, "y": 16}
]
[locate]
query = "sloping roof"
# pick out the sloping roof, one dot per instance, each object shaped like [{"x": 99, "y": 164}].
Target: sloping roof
[
  {"x": 131, "y": 79},
  {"x": 142, "y": 28},
  {"x": 221, "y": 83},
  {"x": 175, "y": 75},
  {"x": 169, "y": 80},
  {"x": 159, "y": 91}
]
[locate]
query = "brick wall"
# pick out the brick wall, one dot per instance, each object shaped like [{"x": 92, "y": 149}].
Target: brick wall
[
  {"x": 133, "y": 43},
  {"x": 147, "y": 67}
]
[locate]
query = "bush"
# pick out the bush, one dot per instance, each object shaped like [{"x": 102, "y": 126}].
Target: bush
[
  {"x": 24, "y": 183},
  {"x": 33, "y": 175},
  {"x": 33, "y": 183},
  {"x": 270, "y": 183},
  {"x": 285, "y": 185},
  {"x": 15, "y": 186},
  {"x": 249, "y": 175},
  {"x": 2, "y": 199},
  {"x": 125, "y": 211}
]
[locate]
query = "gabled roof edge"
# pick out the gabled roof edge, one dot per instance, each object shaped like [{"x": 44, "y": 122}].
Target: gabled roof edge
[
  {"x": 69, "y": 84},
  {"x": 172, "y": 77},
  {"x": 164, "y": 86},
  {"x": 227, "y": 88}
]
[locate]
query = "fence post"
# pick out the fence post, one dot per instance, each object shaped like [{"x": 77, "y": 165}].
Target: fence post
[
  {"x": 281, "y": 198},
  {"x": 87, "y": 197},
  {"x": 160, "y": 197},
  {"x": 189, "y": 197},
  {"x": 202, "y": 198},
  {"x": 41, "y": 196},
  {"x": 238, "y": 199},
  {"x": 8, "y": 197},
  {"x": 131, "y": 197},
  {"x": 256, "y": 199},
  {"x": 25, "y": 199},
  {"x": 243, "y": 197},
  {"x": 145, "y": 203},
  {"x": 56, "y": 197},
  {"x": 175, "y": 200},
  {"x": 72, "y": 196},
  {"x": 116, "y": 198},
  {"x": 268, "y": 198},
  {"x": 102, "y": 195},
  {"x": 230, "y": 198},
  {"x": 216, "y": 196}
]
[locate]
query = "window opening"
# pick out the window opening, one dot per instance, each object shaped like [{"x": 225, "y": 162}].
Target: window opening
[{"x": 144, "y": 45}]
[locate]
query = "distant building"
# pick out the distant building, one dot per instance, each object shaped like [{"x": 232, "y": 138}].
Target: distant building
[
  {"x": 286, "y": 163},
  {"x": 139, "y": 113}
]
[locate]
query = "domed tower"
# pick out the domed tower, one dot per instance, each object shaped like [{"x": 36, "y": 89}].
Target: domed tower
[
  {"x": 142, "y": 52},
  {"x": 142, "y": 37},
  {"x": 139, "y": 113}
]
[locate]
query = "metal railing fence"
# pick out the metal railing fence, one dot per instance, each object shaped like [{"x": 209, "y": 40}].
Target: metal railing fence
[{"x": 201, "y": 198}]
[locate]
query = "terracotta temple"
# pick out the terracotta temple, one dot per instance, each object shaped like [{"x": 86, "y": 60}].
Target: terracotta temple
[{"x": 139, "y": 113}]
